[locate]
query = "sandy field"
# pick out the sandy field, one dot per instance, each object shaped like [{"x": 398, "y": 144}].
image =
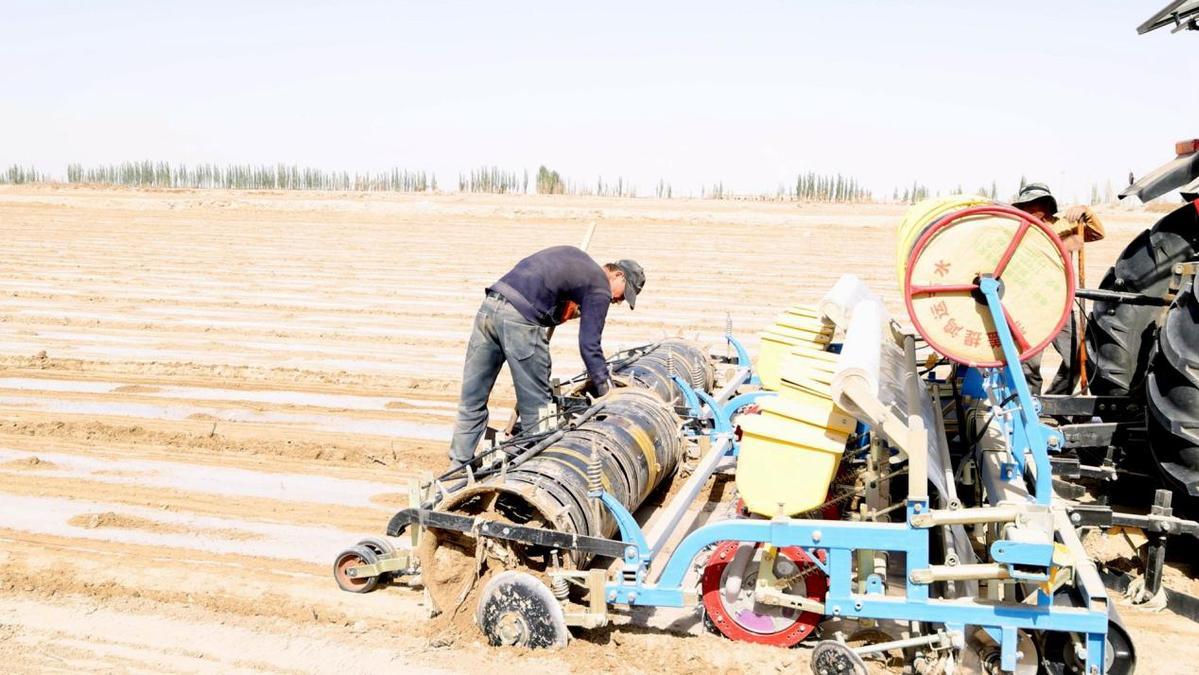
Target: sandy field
[{"x": 205, "y": 395}]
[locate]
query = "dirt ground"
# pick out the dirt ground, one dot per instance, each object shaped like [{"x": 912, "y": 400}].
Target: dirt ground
[{"x": 205, "y": 395}]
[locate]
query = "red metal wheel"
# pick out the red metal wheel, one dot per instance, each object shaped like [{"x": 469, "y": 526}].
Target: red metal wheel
[{"x": 748, "y": 621}]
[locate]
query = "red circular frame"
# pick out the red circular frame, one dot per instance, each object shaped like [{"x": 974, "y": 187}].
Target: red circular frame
[
  {"x": 815, "y": 588},
  {"x": 994, "y": 210}
]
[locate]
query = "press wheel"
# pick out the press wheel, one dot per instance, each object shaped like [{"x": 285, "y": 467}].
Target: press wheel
[
  {"x": 836, "y": 658},
  {"x": 517, "y": 610}
]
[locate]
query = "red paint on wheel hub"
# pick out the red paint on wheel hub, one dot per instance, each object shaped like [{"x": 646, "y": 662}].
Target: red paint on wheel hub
[{"x": 815, "y": 587}]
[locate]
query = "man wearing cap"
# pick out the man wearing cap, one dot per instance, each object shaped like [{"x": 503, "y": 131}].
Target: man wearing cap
[
  {"x": 1036, "y": 199},
  {"x": 543, "y": 290}
]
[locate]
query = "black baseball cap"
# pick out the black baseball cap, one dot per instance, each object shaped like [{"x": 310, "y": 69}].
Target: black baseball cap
[{"x": 634, "y": 280}]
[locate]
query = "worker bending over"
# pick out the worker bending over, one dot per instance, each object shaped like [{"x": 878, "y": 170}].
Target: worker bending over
[
  {"x": 1036, "y": 199},
  {"x": 512, "y": 325}
]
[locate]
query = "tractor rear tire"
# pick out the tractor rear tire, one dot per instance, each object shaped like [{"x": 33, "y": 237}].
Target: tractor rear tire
[
  {"x": 1120, "y": 336},
  {"x": 1173, "y": 394}
]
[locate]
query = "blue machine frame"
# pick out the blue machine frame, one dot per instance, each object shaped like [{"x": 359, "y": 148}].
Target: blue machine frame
[{"x": 841, "y": 540}]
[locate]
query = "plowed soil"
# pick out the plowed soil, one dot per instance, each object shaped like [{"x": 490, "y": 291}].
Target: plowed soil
[{"x": 205, "y": 395}]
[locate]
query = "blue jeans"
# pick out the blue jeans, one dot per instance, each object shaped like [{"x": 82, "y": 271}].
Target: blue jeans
[{"x": 500, "y": 335}]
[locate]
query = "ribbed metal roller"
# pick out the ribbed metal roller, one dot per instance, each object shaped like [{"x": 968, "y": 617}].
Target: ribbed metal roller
[
  {"x": 676, "y": 356},
  {"x": 633, "y": 436}
]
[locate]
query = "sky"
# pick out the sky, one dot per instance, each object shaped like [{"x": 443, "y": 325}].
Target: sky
[{"x": 748, "y": 94}]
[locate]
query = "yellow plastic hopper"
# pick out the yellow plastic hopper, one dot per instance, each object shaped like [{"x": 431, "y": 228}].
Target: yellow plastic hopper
[{"x": 786, "y": 466}]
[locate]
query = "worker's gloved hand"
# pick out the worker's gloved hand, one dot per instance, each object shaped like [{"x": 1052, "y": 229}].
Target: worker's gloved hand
[
  {"x": 1078, "y": 214},
  {"x": 1093, "y": 229},
  {"x": 597, "y": 389}
]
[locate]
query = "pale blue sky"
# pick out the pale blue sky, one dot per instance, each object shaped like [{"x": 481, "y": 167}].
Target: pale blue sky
[{"x": 748, "y": 93}]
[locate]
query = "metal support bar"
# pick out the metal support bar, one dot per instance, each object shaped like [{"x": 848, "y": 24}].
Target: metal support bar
[
  {"x": 934, "y": 573},
  {"x": 1100, "y": 515},
  {"x": 1110, "y": 408},
  {"x": 1121, "y": 297},
  {"x": 1104, "y": 434},
  {"x": 981, "y": 514},
  {"x": 771, "y": 596},
  {"x": 938, "y": 640},
  {"x": 722, "y": 446},
  {"x": 669, "y": 519},
  {"x": 400, "y": 562},
  {"x": 534, "y": 536},
  {"x": 1026, "y": 430}
]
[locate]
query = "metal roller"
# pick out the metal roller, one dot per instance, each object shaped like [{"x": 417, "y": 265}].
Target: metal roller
[
  {"x": 673, "y": 356},
  {"x": 629, "y": 444}
]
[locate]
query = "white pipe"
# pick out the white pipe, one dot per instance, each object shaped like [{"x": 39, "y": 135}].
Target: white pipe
[{"x": 735, "y": 577}]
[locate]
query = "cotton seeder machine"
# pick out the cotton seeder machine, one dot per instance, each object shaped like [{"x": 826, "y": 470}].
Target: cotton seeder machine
[{"x": 855, "y": 525}]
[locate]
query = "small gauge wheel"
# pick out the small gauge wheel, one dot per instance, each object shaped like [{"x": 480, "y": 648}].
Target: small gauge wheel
[
  {"x": 347, "y": 560},
  {"x": 835, "y": 658}
]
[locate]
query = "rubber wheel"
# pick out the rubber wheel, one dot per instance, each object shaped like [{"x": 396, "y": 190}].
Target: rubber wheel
[
  {"x": 379, "y": 545},
  {"x": 383, "y": 549},
  {"x": 517, "y": 610},
  {"x": 1120, "y": 336},
  {"x": 353, "y": 557},
  {"x": 1173, "y": 395},
  {"x": 1058, "y": 656}
]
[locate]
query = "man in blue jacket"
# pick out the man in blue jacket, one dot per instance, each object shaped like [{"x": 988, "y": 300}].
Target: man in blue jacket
[{"x": 512, "y": 326}]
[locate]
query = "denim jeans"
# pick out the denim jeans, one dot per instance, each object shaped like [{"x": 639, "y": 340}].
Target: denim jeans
[{"x": 500, "y": 335}]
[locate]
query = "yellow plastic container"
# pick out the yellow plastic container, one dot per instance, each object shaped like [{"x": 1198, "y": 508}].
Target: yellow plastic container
[
  {"x": 817, "y": 413},
  {"x": 796, "y": 371},
  {"x": 773, "y": 349},
  {"x": 810, "y": 311},
  {"x": 786, "y": 466},
  {"x": 802, "y": 358},
  {"x": 802, "y": 336},
  {"x": 795, "y": 385},
  {"x": 804, "y": 372},
  {"x": 809, "y": 354},
  {"x": 806, "y": 323}
]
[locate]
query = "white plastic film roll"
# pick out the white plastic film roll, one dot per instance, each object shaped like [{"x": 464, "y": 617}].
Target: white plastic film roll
[
  {"x": 840, "y": 300},
  {"x": 860, "y": 354}
]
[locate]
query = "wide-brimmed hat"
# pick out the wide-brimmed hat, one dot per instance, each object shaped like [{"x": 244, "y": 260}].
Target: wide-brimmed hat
[
  {"x": 634, "y": 280},
  {"x": 1035, "y": 192}
]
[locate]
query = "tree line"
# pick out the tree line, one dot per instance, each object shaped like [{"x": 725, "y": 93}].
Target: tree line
[
  {"x": 493, "y": 179},
  {"x": 813, "y": 187},
  {"x": 16, "y": 175},
  {"x": 918, "y": 192},
  {"x": 245, "y": 176},
  {"x": 808, "y": 186}
]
